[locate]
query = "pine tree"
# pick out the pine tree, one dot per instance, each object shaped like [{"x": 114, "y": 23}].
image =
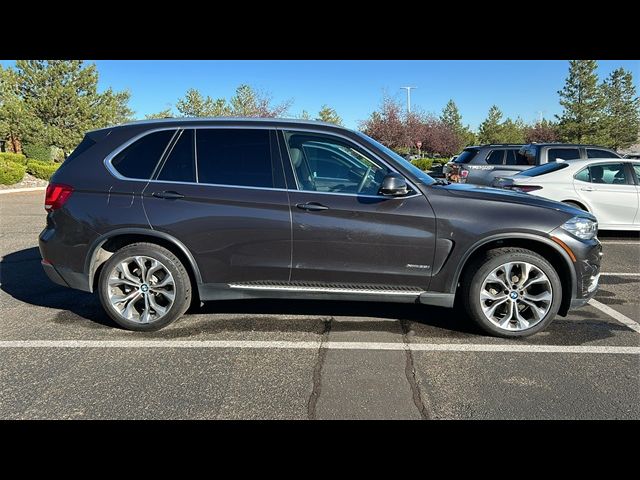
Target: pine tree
[
  {"x": 621, "y": 110},
  {"x": 581, "y": 119},
  {"x": 63, "y": 96},
  {"x": 491, "y": 129},
  {"x": 328, "y": 114},
  {"x": 452, "y": 118}
]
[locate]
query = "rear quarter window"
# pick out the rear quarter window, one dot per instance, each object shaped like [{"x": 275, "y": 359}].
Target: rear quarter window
[
  {"x": 466, "y": 156},
  {"x": 139, "y": 159}
]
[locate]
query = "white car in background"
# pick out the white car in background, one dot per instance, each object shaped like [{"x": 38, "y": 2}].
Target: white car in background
[{"x": 606, "y": 187}]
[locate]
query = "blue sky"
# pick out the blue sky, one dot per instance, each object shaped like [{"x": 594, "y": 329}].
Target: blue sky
[{"x": 355, "y": 88}]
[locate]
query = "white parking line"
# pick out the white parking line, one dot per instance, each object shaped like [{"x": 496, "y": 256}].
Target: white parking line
[
  {"x": 277, "y": 344},
  {"x": 619, "y": 242},
  {"x": 616, "y": 274},
  {"x": 632, "y": 324}
]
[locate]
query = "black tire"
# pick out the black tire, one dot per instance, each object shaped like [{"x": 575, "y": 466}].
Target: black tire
[
  {"x": 575, "y": 205},
  {"x": 173, "y": 265},
  {"x": 478, "y": 271}
]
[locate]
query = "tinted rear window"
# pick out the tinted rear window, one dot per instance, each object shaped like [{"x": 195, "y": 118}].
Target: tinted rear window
[
  {"x": 180, "y": 163},
  {"x": 514, "y": 157},
  {"x": 234, "y": 157},
  {"x": 554, "y": 154},
  {"x": 466, "y": 156},
  {"x": 597, "y": 153},
  {"x": 496, "y": 157},
  {"x": 139, "y": 159},
  {"x": 542, "y": 169}
]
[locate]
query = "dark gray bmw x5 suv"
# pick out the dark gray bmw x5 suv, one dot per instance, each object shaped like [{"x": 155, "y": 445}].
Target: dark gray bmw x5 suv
[{"x": 155, "y": 215}]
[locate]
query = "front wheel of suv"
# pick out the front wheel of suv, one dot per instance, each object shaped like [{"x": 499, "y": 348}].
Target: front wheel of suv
[
  {"x": 144, "y": 287},
  {"x": 512, "y": 292}
]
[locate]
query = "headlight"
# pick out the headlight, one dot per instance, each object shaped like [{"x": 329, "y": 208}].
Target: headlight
[{"x": 581, "y": 227}]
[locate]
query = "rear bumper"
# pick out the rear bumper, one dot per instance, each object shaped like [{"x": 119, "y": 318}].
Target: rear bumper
[
  {"x": 53, "y": 274},
  {"x": 67, "y": 278}
]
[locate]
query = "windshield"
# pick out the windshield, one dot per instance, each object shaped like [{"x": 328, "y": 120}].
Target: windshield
[
  {"x": 542, "y": 169},
  {"x": 420, "y": 175}
]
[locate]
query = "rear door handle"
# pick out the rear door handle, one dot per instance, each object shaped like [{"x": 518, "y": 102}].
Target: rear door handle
[
  {"x": 170, "y": 195},
  {"x": 587, "y": 189},
  {"x": 312, "y": 206}
]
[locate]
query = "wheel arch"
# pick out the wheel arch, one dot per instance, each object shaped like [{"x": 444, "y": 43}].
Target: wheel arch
[
  {"x": 541, "y": 245},
  {"x": 104, "y": 246}
]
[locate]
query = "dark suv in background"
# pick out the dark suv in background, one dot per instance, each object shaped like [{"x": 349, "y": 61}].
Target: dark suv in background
[
  {"x": 483, "y": 165},
  {"x": 155, "y": 215},
  {"x": 480, "y": 164}
]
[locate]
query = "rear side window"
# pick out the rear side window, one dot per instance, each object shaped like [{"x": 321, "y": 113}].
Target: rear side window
[
  {"x": 611, "y": 174},
  {"x": 554, "y": 154},
  {"x": 234, "y": 157},
  {"x": 515, "y": 158},
  {"x": 466, "y": 156},
  {"x": 139, "y": 159},
  {"x": 582, "y": 175},
  {"x": 597, "y": 153},
  {"x": 180, "y": 163},
  {"x": 496, "y": 157}
]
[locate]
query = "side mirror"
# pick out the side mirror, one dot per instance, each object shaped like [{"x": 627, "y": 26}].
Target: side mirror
[{"x": 394, "y": 185}]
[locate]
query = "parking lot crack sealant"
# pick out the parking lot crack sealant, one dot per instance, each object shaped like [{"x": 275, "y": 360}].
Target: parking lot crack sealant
[
  {"x": 410, "y": 371},
  {"x": 317, "y": 371}
]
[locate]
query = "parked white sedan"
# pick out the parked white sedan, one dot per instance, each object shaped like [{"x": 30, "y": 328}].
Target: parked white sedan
[{"x": 606, "y": 187}]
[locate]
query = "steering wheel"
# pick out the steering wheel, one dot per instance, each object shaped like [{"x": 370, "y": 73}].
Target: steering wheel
[{"x": 365, "y": 177}]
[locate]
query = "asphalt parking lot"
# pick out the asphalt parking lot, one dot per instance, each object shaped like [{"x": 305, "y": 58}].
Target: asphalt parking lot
[{"x": 61, "y": 357}]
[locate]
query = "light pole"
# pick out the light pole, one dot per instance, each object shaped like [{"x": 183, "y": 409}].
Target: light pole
[{"x": 408, "y": 89}]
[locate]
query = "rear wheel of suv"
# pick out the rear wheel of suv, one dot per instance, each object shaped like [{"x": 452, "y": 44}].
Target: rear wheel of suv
[
  {"x": 144, "y": 287},
  {"x": 512, "y": 292}
]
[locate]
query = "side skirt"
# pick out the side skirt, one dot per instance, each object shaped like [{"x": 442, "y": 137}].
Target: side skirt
[{"x": 238, "y": 291}]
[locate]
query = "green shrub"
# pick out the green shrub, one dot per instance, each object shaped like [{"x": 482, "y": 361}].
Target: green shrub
[
  {"x": 13, "y": 157},
  {"x": 42, "y": 170},
  {"x": 423, "y": 163},
  {"x": 37, "y": 152},
  {"x": 11, "y": 172}
]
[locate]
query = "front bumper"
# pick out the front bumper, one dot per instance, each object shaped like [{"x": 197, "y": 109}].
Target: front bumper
[{"x": 586, "y": 268}]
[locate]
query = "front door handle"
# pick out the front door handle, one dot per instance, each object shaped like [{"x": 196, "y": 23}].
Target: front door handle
[
  {"x": 312, "y": 206},
  {"x": 169, "y": 195}
]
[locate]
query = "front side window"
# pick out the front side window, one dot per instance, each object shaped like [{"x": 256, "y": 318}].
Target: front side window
[
  {"x": 612, "y": 174},
  {"x": 554, "y": 154},
  {"x": 496, "y": 157},
  {"x": 233, "y": 156},
  {"x": 180, "y": 163},
  {"x": 140, "y": 158},
  {"x": 327, "y": 164}
]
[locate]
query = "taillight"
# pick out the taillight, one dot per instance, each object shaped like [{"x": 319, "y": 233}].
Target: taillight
[
  {"x": 57, "y": 194},
  {"x": 464, "y": 173},
  {"x": 524, "y": 188}
]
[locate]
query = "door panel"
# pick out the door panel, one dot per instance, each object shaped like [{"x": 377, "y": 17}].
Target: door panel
[
  {"x": 363, "y": 240},
  {"x": 611, "y": 199}
]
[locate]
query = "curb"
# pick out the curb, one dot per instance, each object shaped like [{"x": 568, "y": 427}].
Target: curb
[{"x": 19, "y": 190}]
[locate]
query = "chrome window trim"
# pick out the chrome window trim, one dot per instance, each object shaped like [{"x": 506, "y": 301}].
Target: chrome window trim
[{"x": 112, "y": 170}]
